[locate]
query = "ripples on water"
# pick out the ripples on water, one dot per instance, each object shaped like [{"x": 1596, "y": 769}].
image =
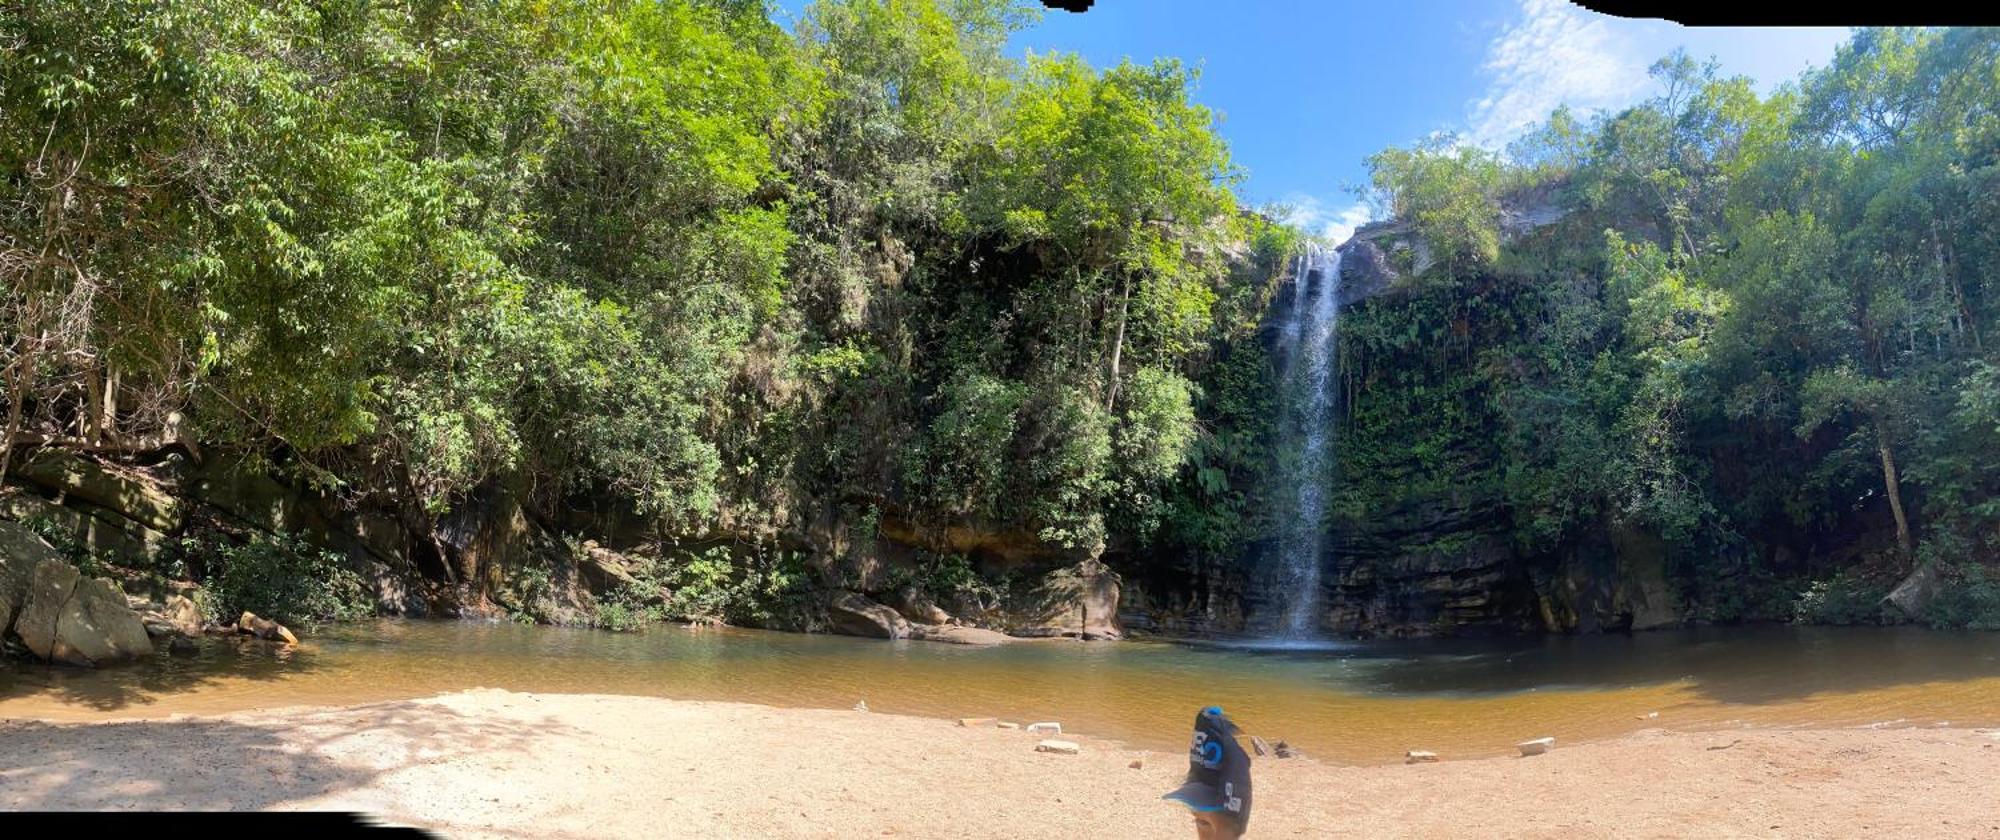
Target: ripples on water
[{"x": 1344, "y": 701}]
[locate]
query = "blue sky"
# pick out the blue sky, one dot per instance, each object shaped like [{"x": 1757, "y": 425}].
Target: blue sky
[{"x": 1307, "y": 89}]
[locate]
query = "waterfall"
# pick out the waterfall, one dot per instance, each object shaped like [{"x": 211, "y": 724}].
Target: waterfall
[{"x": 1305, "y": 350}]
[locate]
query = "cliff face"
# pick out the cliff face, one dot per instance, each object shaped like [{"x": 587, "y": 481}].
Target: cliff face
[{"x": 1421, "y": 538}]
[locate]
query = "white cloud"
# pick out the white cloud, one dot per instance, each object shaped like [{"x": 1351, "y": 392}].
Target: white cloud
[
  {"x": 1318, "y": 218},
  {"x": 1556, "y": 53}
]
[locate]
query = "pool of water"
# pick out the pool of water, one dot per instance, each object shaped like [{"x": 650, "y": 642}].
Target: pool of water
[{"x": 1360, "y": 702}]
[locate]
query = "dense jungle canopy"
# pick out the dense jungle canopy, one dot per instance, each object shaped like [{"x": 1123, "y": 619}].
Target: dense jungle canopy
[{"x": 727, "y": 278}]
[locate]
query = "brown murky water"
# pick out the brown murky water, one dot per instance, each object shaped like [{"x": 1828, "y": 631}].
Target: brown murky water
[{"x": 1351, "y": 702}]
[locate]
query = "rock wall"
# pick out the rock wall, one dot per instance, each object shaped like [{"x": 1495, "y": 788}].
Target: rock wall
[{"x": 494, "y": 556}]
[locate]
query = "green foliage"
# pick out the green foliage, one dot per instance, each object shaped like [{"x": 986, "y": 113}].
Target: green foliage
[
  {"x": 667, "y": 260},
  {"x": 615, "y": 615},
  {"x": 1450, "y": 193},
  {"x": 761, "y": 586},
  {"x": 1760, "y": 327},
  {"x": 87, "y": 562},
  {"x": 1158, "y": 426},
  {"x": 529, "y": 594},
  {"x": 1971, "y": 602},
  {"x": 962, "y": 466},
  {"x": 948, "y": 578},
  {"x": 660, "y": 253},
  {"x": 278, "y": 576},
  {"x": 1845, "y": 598}
]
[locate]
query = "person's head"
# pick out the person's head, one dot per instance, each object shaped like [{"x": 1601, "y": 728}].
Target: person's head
[
  {"x": 1216, "y": 825},
  {"x": 1217, "y": 788}
]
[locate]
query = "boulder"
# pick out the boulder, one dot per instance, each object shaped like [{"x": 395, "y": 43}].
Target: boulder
[
  {"x": 264, "y": 628},
  {"x": 1917, "y": 591},
  {"x": 1059, "y": 747},
  {"x": 1365, "y": 271},
  {"x": 918, "y": 607},
  {"x": 1536, "y": 747},
  {"x": 123, "y": 491},
  {"x": 185, "y": 616},
  {"x": 604, "y": 570},
  {"x": 90, "y": 527},
  {"x": 958, "y": 635},
  {"x": 1080, "y": 601},
  {"x": 854, "y": 615},
  {"x": 177, "y": 617},
  {"x": 74, "y": 620},
  {"x": 20, "y": 552}
]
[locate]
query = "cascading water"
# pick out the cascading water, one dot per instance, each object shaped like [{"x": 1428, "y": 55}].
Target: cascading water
[{"x": 1305, "y": 349}]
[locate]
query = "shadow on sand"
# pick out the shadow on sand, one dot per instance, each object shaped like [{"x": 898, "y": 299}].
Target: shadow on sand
[
  {"x": 120, "y": 687},
  {"x": 241, "y": 763}
]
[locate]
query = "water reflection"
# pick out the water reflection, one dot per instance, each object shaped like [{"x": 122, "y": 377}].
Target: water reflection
[
  {"x": 1358, "y": 701},
  {"x": 1734, "y": 665}
]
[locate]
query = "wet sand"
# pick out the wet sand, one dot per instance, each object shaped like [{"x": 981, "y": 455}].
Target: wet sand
[{"x": 491, "y": 763}]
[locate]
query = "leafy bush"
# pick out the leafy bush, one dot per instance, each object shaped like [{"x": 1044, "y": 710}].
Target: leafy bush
[
  {"x": 1845, "y": 598},
  {"x": 617, "y": 615},
  {"x": 760, "y": 589},
  {"x": 526, "y": 595},
  {"x": 1970, "y": 603},
  {"x": 279, "y": 576},
  {"x": 90, "y": 563},
  {"x": 702, "y": 586}
]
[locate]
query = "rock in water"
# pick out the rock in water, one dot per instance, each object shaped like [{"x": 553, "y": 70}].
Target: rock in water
[
  {"x": 1007, "y": 724},
  {"x": 976, "y": 723},
  {"x": 918, "y": 607},
  {"x": 185, "y": 616},
  {"x": 75, "y": 620},
  {"x": 1060, "y": 747},
  {"x": 1420, "y": 757},
  {"x": 1046, "y": 726},
  {"x": 854, "y": 615},
  {"x": 958, "y": 635},
  {"x": 1917, "y": 591},
  {"x": 182, "y": 646},
  {"x": 264, "y": 628},
  {"x": 1285, "y": 750},
  {"x": 861, "y": 706},
  {"x": 1259, "y": 745},
  {"x": 177, "y": 617},
  {"x": 1536, "y": 747}
]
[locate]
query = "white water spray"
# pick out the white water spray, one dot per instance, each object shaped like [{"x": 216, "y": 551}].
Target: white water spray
[{"x": 1305, "y": 348}]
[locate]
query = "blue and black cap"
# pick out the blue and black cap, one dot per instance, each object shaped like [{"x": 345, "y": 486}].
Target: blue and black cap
[{"x": 1218, "y": 777}]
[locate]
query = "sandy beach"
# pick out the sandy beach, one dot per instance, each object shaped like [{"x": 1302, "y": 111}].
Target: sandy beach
[{"x": 490, "y": 763}]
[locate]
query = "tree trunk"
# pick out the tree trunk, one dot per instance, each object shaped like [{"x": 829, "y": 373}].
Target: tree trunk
[
  {"x": 1940, "y": 251},
  {"x": 17, "y": 375},
  {"x": 1118, "y": 347},
  {"x": 107, "y": 422},
  {"x": 93, "y": 407},
  {"x": 1894, "y": 487}
]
